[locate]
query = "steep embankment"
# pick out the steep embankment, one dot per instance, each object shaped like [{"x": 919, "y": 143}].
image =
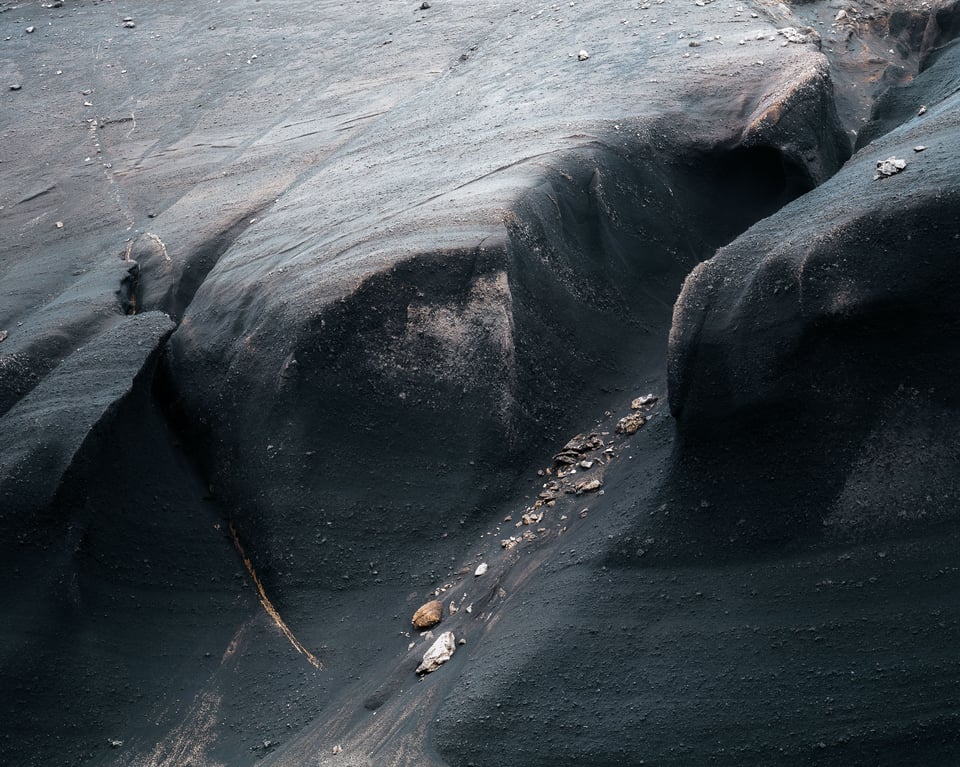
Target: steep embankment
[{"x": 409, "y": 253}]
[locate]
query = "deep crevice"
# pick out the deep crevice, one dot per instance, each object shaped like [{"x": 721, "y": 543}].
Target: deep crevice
[
  {"x": 735, "y": 188},
  {"x": 169, "y": 285}
]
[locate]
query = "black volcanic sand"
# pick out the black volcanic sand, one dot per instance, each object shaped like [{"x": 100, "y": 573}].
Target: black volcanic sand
[{"x": 299, "y": 297}]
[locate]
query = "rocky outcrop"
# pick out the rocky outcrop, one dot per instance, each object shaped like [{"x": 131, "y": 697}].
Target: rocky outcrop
[
  {"x": 799, "y": 339},
  {"x": 747, "y": 318}
]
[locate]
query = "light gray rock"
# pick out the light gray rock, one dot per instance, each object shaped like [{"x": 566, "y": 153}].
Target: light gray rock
[
  {"x": 439, "y": 653},
  {"x": 889, "y": 167}
]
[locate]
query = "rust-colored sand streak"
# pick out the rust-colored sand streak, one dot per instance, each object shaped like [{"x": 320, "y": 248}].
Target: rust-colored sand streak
[{"x": 268, "y": 605}]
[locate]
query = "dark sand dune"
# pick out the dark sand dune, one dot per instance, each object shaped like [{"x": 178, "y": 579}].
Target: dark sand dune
[{"x": 298, "y": 298}]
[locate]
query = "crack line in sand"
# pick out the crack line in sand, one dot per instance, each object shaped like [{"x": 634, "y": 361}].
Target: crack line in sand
[{"x": 268, "y": 605}]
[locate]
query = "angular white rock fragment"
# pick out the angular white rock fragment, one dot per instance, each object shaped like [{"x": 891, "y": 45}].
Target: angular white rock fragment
[
  {"x": 889, "y": 167},
  {"x": 583, "y": 56},
  {"x": 439, "y": 653},
  {"x": 799, "y": 36},
  {"x": 645, "y": 401},
  {"x": 481, "y": 569}
]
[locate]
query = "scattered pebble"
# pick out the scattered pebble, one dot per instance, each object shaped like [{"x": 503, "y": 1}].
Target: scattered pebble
[
  {"x": 583, "y": 56},
  {"x": 920, "y": 148},
  {"x": 481, "y": 569},
  {"x": 588, "y": 486},
  {"x": 15, "y": 86},
  {"x": 630, "y": 424},
  {"x": 424, "y": 5},
  {"x": 530, "y": 518},
  {"x": 921, "y": 111},
  {"x": 29, "y": 30},
  {"x": 572, "y": 451},
  {"x": 3, "y": 335}
]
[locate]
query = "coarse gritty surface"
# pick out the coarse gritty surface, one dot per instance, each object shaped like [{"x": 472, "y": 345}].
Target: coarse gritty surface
[{"x": 408, "y": 253}]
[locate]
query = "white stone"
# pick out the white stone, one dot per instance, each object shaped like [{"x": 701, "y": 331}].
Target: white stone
[
  {"x": 644, "y": 401},
  {"x": 439, "y": 653},
  {"x": 481, "y": 569},
  {"x": 889, "y": 167},
  {"x": 798, "y": 36}
]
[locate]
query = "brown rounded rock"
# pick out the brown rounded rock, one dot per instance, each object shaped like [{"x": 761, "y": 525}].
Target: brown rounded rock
[{"x": 428, "y": 616}]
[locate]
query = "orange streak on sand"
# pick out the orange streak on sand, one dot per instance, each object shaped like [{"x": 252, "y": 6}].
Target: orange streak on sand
[{"x": 268, "y": 605}]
